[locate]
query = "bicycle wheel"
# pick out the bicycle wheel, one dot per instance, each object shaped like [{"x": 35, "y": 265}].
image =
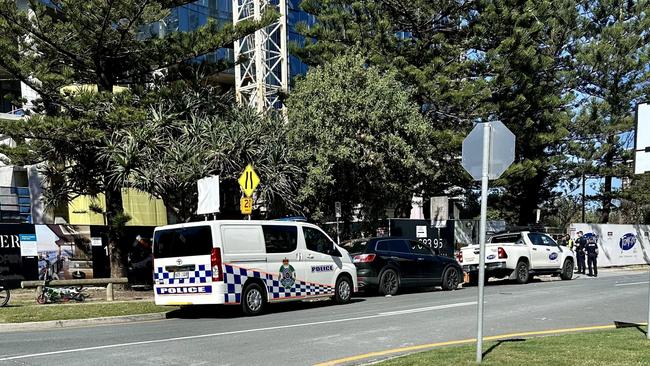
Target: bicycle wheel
[{"x": 4, "y": 297}]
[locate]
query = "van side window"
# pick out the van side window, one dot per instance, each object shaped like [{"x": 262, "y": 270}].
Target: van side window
[
  {"x": 280, "y": 239},
  {"x": 317, "y": 241}
]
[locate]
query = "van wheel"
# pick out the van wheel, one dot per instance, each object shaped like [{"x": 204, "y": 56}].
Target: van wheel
[
  {"x": 343, "y": 291},
  {"x": 253, "y": 299},
  {"x": 389, "y": 282},
  {"x": 567, "y": 270},
  {"x": 523, "y": 273},
  {"x": 450, "y": 279}
]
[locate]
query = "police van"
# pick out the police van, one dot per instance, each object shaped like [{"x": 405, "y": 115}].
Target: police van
[{"x": 249, "y": 263}]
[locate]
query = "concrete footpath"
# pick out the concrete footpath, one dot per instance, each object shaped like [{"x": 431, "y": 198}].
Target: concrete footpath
[{"x": 74, "y": 323}]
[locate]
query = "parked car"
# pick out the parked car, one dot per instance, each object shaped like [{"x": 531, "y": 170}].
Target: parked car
[
  {"x": 388, "y": 264},
  {"x": 519, "y": 256}
]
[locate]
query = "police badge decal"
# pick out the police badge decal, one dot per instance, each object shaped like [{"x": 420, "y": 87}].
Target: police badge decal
[{"x": 287, "y": 274}]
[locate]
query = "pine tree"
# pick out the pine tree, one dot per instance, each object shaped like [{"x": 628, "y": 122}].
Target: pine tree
[
  {"x": 54, "y": 44},
  {"x": 613, "y": 64},
  {"x": 528, "y": 51}
]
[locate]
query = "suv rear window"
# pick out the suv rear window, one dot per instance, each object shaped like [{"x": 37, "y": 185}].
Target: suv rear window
[
  {"x": 355, "y": 246},
  {"x": 397, "y": 246},
  {"x": 185, "y": 242}
]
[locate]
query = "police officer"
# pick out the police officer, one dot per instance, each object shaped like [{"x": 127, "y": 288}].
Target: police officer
[
  {"x": 580, "y": 245},
  {"x": 592, "y": 254}
]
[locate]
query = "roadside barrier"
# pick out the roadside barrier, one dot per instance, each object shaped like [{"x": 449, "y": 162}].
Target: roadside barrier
[{"x": 109, "y": 282}]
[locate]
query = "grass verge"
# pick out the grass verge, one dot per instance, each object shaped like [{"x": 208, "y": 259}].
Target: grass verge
[
  {"x": 627, "y": 346},
  {"x": 34, "y": 313}
]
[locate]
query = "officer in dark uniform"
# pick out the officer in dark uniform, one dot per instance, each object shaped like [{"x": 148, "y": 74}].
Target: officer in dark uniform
[
  {"x": 581, "y": 243},
  {"x": 592, "y": 254}
]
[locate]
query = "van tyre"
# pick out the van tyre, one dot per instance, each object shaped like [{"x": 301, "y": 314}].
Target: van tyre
[
  {"x": 253, "y": 299},
  {"x": 567, "y": 270},
  {"x": 450, "y": 279},
  {"x": 389, "y": 282},
  {"x": 522, "y": 274},
  {"x": 343, "y": 290}
]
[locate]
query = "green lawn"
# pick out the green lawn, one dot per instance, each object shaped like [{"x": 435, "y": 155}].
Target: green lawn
[
  {"x": 19, "y": 313},
  {"x": 626, "y": 346}
]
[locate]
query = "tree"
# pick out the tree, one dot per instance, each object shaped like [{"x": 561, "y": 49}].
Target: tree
[
  {"x": 360, "y": 139},
  {"x": 613, "y": 65},
  {"x": 527, "y": 51},
  {"x": 428, "y": 45},
  {"x": 193, "y": 132},
  {"x": 103, "y": 44}
]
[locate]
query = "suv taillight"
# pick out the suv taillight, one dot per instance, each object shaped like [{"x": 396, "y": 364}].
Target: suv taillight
[
  {"x": 502, "y": 253},
  {"x": 363, "y": 258},
  {"x": 215, "y": 263},
  {"x": 459, "y": 256}
]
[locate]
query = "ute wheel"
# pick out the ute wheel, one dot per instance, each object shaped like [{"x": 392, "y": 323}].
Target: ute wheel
[
  {"x": 450, "y": 279},
  {"x": 252, "y": 299},
  {"x": 389, "y": 282},
  {"x": 567, "y": 270},
  {"x": 522, "y": 273},
  {"x": 343, "y": 290}
]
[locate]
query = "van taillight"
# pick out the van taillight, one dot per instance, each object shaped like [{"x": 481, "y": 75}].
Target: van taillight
[
  {"x": 215, "y": 263},
  {"x": 363, "y": 258},
  {"x": 459, "y": 257},
  {"x": 502, "y": 253}
]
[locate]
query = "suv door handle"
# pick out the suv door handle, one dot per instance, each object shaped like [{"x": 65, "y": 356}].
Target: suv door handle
[{"x": 420, "y": 259}]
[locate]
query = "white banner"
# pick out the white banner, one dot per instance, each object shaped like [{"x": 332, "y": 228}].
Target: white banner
[
  {"x": 208, "y": 195},
  {"x": 618, "y": 245}
]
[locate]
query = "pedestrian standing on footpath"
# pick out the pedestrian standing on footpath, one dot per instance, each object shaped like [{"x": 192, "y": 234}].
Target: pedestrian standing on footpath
[
  {"x": 581, "y": 242},
  {"x": 592, "y": 254}
]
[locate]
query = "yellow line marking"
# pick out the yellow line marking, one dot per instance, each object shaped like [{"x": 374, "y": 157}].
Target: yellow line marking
[{"x": 463, "y": 341}]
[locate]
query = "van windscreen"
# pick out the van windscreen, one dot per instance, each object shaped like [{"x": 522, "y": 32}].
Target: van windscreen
[{"x": 185, "y": 242}]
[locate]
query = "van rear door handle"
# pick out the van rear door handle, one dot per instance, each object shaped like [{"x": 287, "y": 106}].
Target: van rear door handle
[
  {"x": 310, "y": 256},
  {"x": 534, "y": 248}
]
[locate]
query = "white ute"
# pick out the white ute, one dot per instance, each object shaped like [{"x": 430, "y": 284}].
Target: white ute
[{"x": 519, "y": 256}]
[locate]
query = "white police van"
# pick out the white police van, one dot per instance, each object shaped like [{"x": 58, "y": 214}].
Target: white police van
[{"x": 249, "y": 263}]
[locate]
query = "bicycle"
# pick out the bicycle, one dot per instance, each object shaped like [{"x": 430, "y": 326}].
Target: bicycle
[
  {"x": 52, "y": 295},
  {"x": 5, "y": 294}
]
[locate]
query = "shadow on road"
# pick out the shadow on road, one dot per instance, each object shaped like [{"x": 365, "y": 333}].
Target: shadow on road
[
  {"x": 405, "y": 291},
  {"x": 487, "y": 351},
  {"x": 234, "y": 311},
  {"x": 630, "y": 325}
]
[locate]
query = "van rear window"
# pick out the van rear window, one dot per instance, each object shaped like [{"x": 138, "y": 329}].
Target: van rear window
[{"x": 185, "y": 242}]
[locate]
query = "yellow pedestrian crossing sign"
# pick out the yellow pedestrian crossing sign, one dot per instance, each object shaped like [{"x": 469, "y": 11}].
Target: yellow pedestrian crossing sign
[{"x": 248, "y": 181}]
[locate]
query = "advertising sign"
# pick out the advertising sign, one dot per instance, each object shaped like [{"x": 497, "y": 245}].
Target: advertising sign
[{"x": 618, "y": 245}]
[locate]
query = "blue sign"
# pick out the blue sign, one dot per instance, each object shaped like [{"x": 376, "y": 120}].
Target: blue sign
[
  {"x": 27, "y": 237},
  {"x": 627, "y": 241},
  {"x": 552, "y": 256}
]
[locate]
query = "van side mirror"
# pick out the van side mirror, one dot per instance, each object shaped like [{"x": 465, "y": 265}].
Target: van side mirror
[{"x": 335, "y": 252}]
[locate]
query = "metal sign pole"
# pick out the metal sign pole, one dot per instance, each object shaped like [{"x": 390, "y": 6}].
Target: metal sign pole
[
  {"x": 338, "y": 239},
  {"x": 481, "y": 265}
]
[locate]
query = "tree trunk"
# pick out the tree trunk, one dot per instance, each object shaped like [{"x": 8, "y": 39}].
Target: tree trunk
[
  {"x": 606, "y": 201},
  {"x": 116, "y": 221}
]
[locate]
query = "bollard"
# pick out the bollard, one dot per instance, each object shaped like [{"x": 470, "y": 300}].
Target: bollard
[{"x": 109, "y": 292}]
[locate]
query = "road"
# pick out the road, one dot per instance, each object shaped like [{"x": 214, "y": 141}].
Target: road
[{"x": 309, "y": 333}]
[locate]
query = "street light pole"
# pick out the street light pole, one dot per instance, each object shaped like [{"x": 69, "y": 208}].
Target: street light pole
[{"x": 481, "y": 265}]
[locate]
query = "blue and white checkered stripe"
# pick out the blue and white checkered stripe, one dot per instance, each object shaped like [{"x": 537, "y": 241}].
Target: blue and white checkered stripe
[
  {"x": 235, "y": 277},
  {"x": 200, "y": 275}
]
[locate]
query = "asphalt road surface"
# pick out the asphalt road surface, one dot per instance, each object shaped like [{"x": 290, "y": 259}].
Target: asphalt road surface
[{"x": 309, "y": 333}]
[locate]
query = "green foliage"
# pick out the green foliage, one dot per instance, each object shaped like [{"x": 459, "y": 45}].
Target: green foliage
[
  {"x": 193, "y": 133},
  {"x": 613, "y": 67},
  {"x": 360, "y": 139}
]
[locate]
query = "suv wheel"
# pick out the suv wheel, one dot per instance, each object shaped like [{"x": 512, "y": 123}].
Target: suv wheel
[
  {"x": 389, "y": 282},
  {"x": 567, "y": 270},
  {"x": 522, "y": 274},
  {"x": 253, "y": 299},
  {"x": 343, "y": 291},
  {"x": 450, "y": 279}
]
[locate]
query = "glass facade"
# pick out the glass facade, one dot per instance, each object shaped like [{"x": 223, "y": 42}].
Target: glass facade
[{"x": 191, "y": 16}]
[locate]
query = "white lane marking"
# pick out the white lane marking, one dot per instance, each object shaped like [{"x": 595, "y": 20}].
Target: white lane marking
[
  {"x": 429, "y": 308},
  {"x": 631, "y": 283},
  {"x": 380, "y": 315}
]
